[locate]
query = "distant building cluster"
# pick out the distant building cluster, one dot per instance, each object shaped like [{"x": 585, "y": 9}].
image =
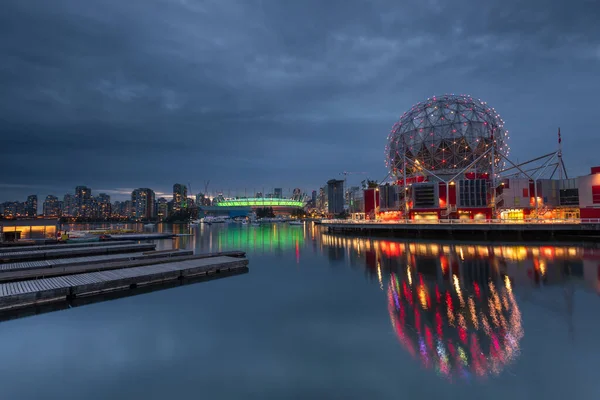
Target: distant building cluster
[{"x": 143, "y": 204}]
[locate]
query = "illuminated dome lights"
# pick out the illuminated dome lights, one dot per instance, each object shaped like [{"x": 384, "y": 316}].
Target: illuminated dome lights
[
  {"x": 444, "y": 135},
  {"x": 457, "y": 334}
]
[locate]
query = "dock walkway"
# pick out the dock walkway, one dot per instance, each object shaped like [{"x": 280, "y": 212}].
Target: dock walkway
[
  {"x": 42, "y": 254},
  {"x": 31, "y": 292},
  {"x": 91, "y": 260},
  {"x": 27, "y": 247},
  {"x": 140, "y": 236},
  {"x": 37, "y": 269}
]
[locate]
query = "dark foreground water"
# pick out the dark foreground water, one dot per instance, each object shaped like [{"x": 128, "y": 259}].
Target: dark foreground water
[{"x": 329, "y": 317}]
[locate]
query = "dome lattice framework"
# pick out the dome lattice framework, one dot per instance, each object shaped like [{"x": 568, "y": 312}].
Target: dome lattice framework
[{"x": 445, "y": 135}]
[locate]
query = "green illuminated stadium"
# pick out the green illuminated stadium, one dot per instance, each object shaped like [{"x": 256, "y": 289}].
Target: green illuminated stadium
[{"x": 260, "y": 202}]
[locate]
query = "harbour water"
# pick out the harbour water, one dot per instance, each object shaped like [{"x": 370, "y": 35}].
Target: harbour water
[{"x": 322, "y": 316}]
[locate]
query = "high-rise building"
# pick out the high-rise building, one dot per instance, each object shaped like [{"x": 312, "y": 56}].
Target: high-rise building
[
  {"x": 127, "y": 209},
  {"x": 297, "y": 194},
  {"x": 335, "y": 196},
  {"x": 69, "y": 205},
  {"x": 259, "y": 195},
  {"x": 31, "y": 206},
  {"x": 322, "y": 199},
  {"x": 278, "y": 193},
  {"x": 162, "y": 208},
  {"x": 51, "y": 206},
  {"x": 354, "y": 201},
  {"x": 179, "y": 197},
  {"x": 142, "y": 201},
  {"x": 313, "y": 197},
  {"x": 104, "y": 206},
  {"x": 11, "y": 209},
  {"x": 202, "y": 200},
  {"x": 83, "y": 196}
]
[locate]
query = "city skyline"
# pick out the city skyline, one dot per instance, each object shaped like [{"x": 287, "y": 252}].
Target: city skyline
[
  {"x": 140, "y": 199},
  {"x": 121, "y": 95}
]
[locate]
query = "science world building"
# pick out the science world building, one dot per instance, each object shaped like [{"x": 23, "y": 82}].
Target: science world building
[{"x": 448, "y": 158}]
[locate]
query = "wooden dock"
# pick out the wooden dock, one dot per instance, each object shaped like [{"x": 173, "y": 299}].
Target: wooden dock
[
  {"x": 43, "y": 254},
  {"x": 29, "y": 247},
  {"x": 27, "y": 293},
  {"x": 45, "y": 268},
  {"x": 140, "y": 236},
  {"x": 90, "y": 260}
]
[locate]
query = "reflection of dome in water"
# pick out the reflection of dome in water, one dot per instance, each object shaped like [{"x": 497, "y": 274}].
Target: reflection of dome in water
[{"x": 455, "y": 332}]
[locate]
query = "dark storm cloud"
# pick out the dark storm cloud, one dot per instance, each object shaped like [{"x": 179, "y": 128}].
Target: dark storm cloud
[{"x": 122, "y": 94}]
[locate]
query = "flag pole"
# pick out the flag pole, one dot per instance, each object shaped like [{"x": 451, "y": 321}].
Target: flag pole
[{"x": 560, "y": 153}]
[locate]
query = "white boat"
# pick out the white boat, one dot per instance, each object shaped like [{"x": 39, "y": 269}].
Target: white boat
[
  {"x": 78, "y": 234},
  {"x": 244, "y": 222},
  {"x": 214, "y": 220},
  {"x": 150, "y": 225},
  {"x": 295, "y": 223}
]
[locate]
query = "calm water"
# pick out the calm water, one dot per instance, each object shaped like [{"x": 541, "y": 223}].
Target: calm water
[{"x": 323, "y": 317}]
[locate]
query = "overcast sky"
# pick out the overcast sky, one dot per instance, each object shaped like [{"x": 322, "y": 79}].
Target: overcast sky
[{"x": 118, "y": 94}]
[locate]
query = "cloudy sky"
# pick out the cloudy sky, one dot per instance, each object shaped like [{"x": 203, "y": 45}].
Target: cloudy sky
[{"x": 249, "y": 94}]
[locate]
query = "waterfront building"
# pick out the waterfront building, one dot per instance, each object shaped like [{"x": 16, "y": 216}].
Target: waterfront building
[
  {"x": 448, "y": 159},
  {"x": 313, "y": 197},
  {"x": 162, "y": 208},
  {"x": 13, "y": 209},
  {"x": 371, "y": 203},
  {"x": 31, "y": 206},
  {"x": 83, "y": 197},
  {"x": 69, "y": 205},
  {"x": 30, "y": 228},
  {"x": 127, "y": 209},
  {"x": 335, "y": 196},
  {"x": 201, "y": 199},
  {"x": 121, "y": 209},
  {"x": 322, "y": 200},
  {"x": 179, "y": 197},
  {"x": 142, "y": 204},
  {"x": 355, "y": 202},
  {"x": 51, "y": 206},
  {"x": 246, "y": 206},
  {"x": 104, "y": 207}
]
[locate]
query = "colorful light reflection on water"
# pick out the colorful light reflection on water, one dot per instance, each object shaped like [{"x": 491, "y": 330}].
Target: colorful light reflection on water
[{"x": 456, "y": 338}]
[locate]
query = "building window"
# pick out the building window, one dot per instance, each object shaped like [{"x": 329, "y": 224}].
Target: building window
[
  {"x": 596, "y": 194},
  {"x": 569, "y": 197},
  {"x": 424, "y": 196},
  {"x": 473, "y": 193}
]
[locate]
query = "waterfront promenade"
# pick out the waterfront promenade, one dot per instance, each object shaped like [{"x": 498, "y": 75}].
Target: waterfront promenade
[{"x": 530, "y": 229}]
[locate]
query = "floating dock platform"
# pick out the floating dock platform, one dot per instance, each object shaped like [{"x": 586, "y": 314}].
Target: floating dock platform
[
  {"x": 42, "y": 268},
  {"x": 456, "y": 229},
  {"x": 140, "y": 236},
  {"x": 58, "y": 245},
  {"x": 45, "y": 278},
  {"x": 26, "y": 293},
  {"x": 43, "y": 254}
]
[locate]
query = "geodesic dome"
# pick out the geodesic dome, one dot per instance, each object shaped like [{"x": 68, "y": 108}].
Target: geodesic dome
[{"x": 444, "y": 135}]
